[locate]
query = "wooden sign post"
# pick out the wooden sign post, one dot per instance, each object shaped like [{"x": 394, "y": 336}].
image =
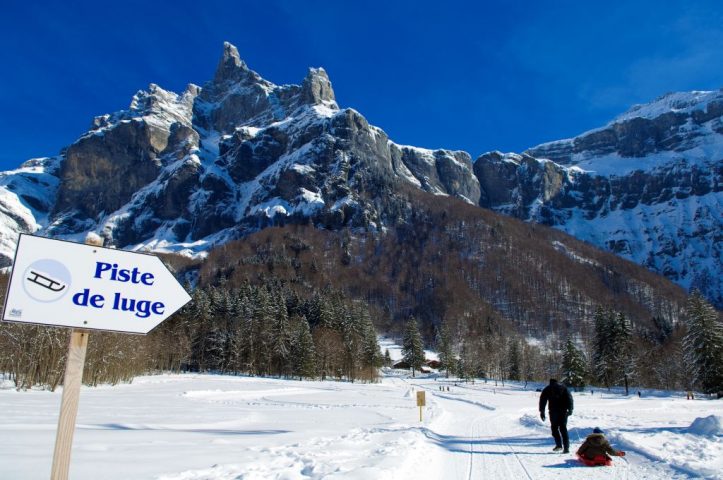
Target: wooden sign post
[
  {"x": 74, "y": 365},
  {"x": 86, "y": 287},
  {"x": 421, "y": 402},
  {"x": 69, "y": 404}
]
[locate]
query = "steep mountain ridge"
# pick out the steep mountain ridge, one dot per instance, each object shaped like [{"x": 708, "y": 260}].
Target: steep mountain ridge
[
  {"x": 646, "y": 186},
  {"x": 187, "y": 172}
]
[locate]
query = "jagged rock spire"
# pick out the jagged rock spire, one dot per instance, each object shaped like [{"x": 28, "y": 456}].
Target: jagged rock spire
[
  {"x": 317, "y": 89},
  {"x": 232, "y": 68}
]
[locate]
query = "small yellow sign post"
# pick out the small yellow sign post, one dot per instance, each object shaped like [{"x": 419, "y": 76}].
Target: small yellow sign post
[{"x": 421, "y": 402}]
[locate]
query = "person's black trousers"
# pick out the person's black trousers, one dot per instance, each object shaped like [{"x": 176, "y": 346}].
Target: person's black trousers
[{"x": 558, "y": 424}]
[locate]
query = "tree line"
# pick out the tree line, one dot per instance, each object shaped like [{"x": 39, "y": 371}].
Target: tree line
[
  {"x": 269, "y": 330},
  {"x": 688, "y": 357},
  {"x": 614, "y": 356},
  {"x": 271, "y": 325},
  {"x": 266, "y": 330}
]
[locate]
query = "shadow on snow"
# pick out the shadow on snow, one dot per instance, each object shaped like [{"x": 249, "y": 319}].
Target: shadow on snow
[{"x": 210, "y": 431}]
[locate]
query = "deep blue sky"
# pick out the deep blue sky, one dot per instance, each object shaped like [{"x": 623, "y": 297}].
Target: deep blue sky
[{"x": 475, "y": 76}]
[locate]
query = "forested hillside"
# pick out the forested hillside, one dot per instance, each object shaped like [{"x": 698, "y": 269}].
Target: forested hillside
[{"x": 503, "y": 299}]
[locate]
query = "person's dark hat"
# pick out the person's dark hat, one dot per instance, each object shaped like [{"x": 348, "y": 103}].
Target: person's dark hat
[
  {"x": 597, "y": 430},
  {"x": 553, "y": 380}
]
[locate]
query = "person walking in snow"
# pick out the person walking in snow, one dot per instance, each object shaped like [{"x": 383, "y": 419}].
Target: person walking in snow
[
  {"x": 561, "y": 406},
  {"x": 596, "y": 450}
]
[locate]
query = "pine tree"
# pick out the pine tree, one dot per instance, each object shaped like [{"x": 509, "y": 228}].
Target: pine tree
[
  {"x": 602, "y": 367},
  {"x": 444, "y": 348},
  {"x": 703, "y": 344},
  {"x": 573, "y": 366},
  {"x": 243, "y": 339},
  {"x": 460, "y": 368},
  {"x": 281, "y": 338},
  {"x": 412, "y": 346},
  {"x": 304, "y": 354},
  {"x": 513, "y": 361},
  {"x": 623, "y": 350},
  {"x": 263, "y": 317},
  {"x": 223, "y": 307},
  {"x": 613, "y": 360},
  {"x": 388, "y": 362},
  {"x": 201, "y": 321},
  {"x": 325, "y": 338},
  {"x": 330, "y": 312},
  {"x": 371, "y": 354},
  {"x": 350, "y": 322}
]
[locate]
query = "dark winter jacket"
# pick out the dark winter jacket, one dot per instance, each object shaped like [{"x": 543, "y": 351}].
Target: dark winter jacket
[
  {"x": 596, "y": 445},
  {"x": 559, "y": 397}
]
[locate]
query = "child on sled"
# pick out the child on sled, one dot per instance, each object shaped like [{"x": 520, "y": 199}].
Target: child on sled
[{"x": 596, "y": 450}]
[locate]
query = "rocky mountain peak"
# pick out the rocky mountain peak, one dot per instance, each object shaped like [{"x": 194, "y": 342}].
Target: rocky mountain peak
[
  {"x": 239, "y": 97},
  {"x": 231, "y": 67},
  {"x": 317, "y": 89}
]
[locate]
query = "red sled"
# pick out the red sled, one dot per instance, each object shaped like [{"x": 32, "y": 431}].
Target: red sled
[{"x": 598, "y": 461}]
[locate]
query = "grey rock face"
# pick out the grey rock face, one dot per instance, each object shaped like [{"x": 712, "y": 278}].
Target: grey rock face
[
  {"x": 124, "y": 154},
  {"x": 101, "y": 172},
  {"x": 439, "y": 171}
]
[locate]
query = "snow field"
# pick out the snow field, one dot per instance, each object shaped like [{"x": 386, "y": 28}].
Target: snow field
[{"x": 193, "y": 427}]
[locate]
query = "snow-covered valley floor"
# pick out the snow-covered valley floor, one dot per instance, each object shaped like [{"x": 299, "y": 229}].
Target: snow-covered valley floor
[{"x": 192, "y": 427}]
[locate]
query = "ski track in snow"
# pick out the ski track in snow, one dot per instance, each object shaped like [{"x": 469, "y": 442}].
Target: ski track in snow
[{"x": 211, "y": 427}]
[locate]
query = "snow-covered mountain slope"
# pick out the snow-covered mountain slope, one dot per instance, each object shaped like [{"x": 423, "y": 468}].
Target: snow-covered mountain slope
[
  {"x": 646, "y": 186},
  {"x": 26, "y": 196},
  {"x": 186, "y": 172}
]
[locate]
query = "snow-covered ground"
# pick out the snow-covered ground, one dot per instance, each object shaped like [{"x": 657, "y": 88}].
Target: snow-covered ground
[
  {"x": 395, "y": 350},
  {"x": 192, "y": 427}
]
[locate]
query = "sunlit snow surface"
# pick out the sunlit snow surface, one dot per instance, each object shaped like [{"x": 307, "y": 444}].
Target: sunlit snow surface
[{"x": 192, "y": 427}]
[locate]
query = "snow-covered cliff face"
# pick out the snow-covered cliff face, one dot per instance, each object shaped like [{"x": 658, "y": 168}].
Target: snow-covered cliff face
[
  {"x": 646, "y": 186},
  {"x": 186, "y": 172}
]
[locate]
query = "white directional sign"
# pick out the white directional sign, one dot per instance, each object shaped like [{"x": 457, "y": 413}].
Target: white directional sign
[{"x": 68, "y": 284}]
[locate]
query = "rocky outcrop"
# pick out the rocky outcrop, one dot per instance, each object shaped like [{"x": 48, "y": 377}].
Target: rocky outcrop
[
  {"x": 101, "y": 172},
  {"x": 438, "y": 171}
]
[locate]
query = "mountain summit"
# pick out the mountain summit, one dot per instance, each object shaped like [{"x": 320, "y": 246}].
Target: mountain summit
[{"x": 183, "y": 173}]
